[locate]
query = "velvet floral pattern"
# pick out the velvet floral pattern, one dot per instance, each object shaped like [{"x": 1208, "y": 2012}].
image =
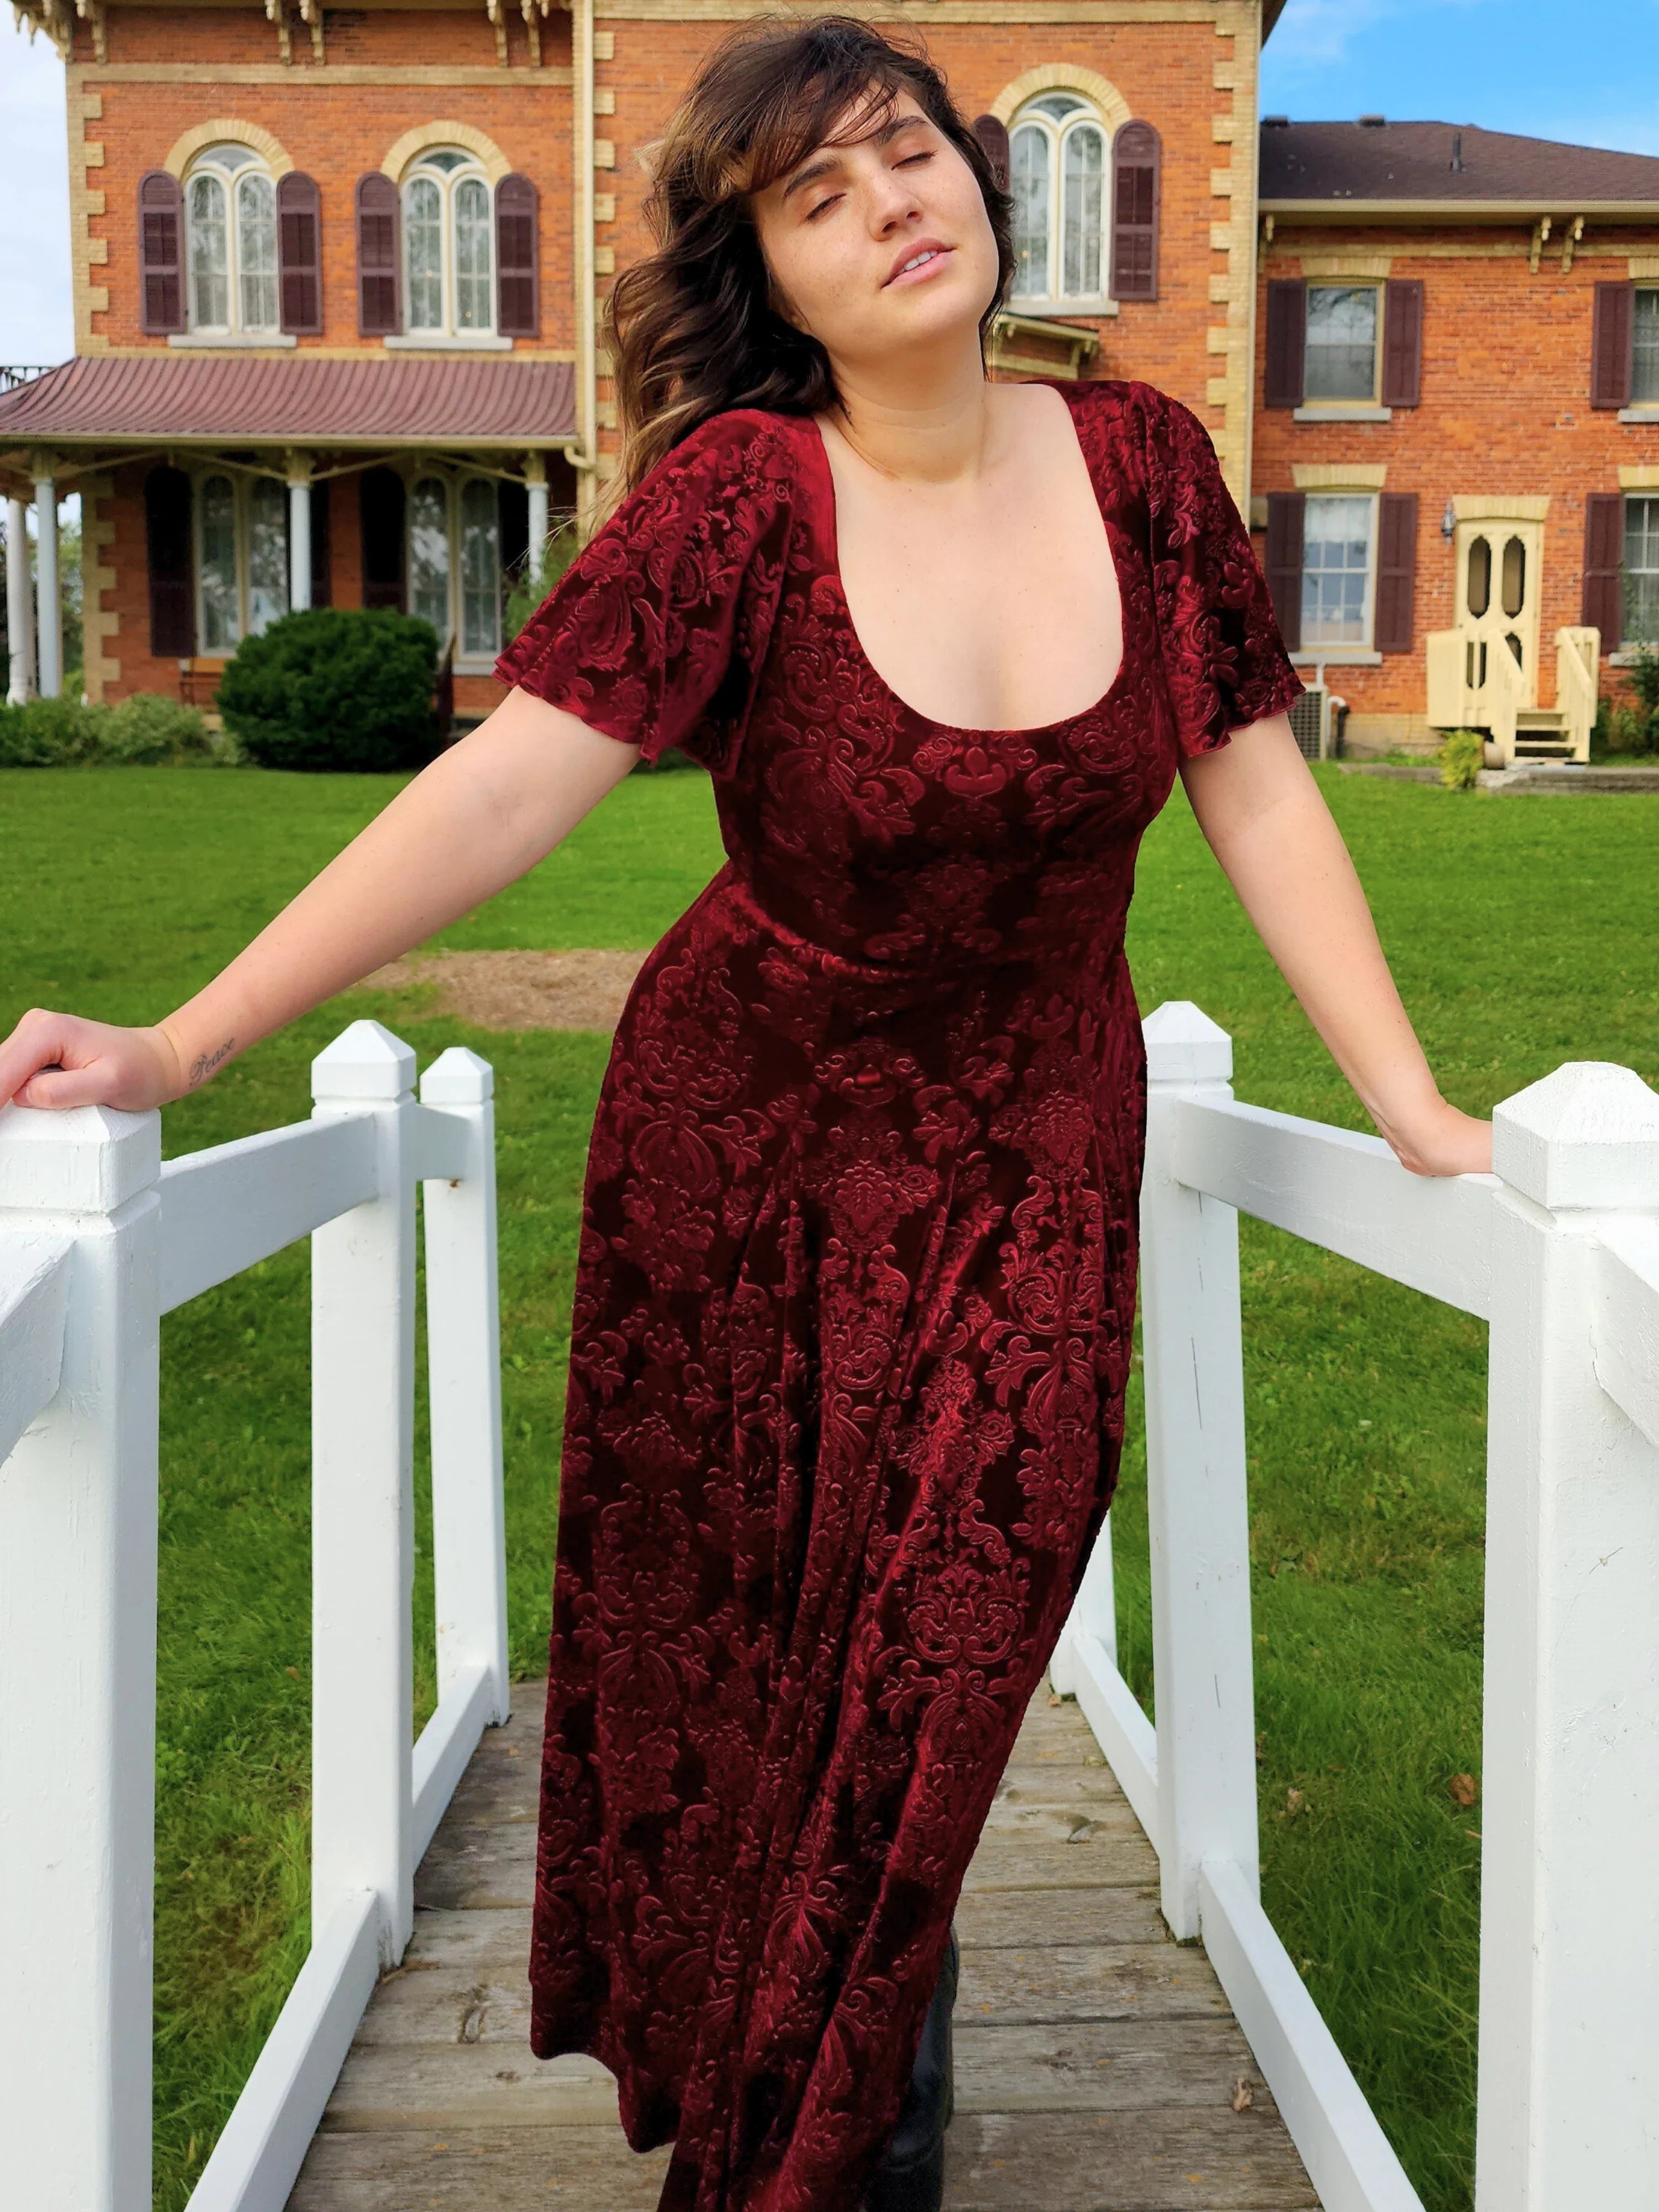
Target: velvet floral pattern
[{"x": 856, "y": 1284}]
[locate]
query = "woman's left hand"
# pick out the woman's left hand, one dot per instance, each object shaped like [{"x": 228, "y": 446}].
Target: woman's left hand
[{"x": 1444, "y": 1141}]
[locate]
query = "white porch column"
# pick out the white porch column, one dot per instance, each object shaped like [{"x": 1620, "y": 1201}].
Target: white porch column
[
  {"x": 535, "y": 476},
  {"x": 48, "y": 589},
  {"x": 299, "y": 531},
  {"x": 20, "y": 603}
]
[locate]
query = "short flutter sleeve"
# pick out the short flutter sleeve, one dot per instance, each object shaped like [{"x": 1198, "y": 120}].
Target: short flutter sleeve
[
  {"x": 1225, "y": 659},
  {"x": 656, "y": 632}
]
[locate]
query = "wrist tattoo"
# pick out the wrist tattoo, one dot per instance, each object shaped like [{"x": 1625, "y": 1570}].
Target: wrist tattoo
[{"x": 204, "y": 1063}]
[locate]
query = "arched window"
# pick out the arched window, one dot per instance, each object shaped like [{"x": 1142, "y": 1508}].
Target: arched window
[
  {"x": 230, "y": 223},
  {"x": 449, "y": 245},
  {"x": 1057, "y": 164}
]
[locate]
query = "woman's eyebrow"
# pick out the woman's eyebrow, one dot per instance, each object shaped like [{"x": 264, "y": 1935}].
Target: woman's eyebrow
[{"x": 813, "y": 170}]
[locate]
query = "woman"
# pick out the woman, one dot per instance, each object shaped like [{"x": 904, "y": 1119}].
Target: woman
[{"x": 852, "y": 1319}]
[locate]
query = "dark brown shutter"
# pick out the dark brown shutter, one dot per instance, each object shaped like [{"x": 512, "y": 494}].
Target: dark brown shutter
[
  {"x": 166, "y": 540},
  {"x": 1396, "y": 570},
  {"x": 380, "y": 302},
  {"x": 1287, "y": 341},
  {"x": 1402, "y": 341},
  {"x": 322, "y": 566},
  {"x": 993, "y": 134},
  {"x": 1286, "y": 512},
  {"x": 518, "y": 306},
  {"x": 299, "y": 253},
  {"x": 381, "y": 507},
  {"x": 1604, "y": 555},
  {"x": 160, "y": 251},
  {"x": 1611, "y": 345},
  {"x": 1135, "y": 166}
]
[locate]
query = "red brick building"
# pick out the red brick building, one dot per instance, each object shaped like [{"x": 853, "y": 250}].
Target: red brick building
[{"x": 336, "y": 275}]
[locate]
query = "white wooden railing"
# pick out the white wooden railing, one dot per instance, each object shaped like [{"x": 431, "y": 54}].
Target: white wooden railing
[
  {"x": 97, "y": 1239},
  {"x": 1558, "y": 1251}
]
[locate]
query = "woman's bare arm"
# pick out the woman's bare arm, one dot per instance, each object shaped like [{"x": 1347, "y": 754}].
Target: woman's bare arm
[
  {"x": 1269, "y": 825},
  {"x": 475, "y": 819}
]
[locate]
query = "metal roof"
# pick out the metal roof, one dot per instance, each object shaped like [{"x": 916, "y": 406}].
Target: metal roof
[
  {"x": 1337, "y": 163},
  {"x": 367, "y": 401}
]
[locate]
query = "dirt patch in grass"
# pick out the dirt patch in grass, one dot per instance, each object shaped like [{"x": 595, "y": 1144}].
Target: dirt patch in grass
[{"x": 520, "y": 990}]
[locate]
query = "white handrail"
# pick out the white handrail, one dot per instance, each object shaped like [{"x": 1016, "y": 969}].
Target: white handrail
[
  {"x": 1559, "y": 1250},
  {"x": 97, "y": 1240}
]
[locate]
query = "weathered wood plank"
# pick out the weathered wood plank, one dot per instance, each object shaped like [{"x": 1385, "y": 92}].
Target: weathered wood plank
[
  {"x": 1132, "y": 2161},
  {"x": 469, "y": 2084},
  {"x": 1090, "y": 2047},
  {"x": 582, "y": 2169}
]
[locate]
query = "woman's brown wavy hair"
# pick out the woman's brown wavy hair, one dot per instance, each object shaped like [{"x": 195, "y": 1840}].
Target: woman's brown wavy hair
[{"x": 691, "y": 328}]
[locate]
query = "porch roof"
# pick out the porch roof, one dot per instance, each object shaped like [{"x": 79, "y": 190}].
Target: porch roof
[{"x": 157, "y": 399}]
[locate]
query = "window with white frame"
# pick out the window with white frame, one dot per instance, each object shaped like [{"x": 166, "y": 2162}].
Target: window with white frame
[
  {"x": 1644, "y": 348},
  {"x": 449, "y": 245},
  {"x": 454, "y": 561},
  {"x": 241, "y": 558},
  {"x": 1342, "y": 355},
  {"x": 1057, "y": 172},
  {"x": 1339, "y": 532},
  {"x": 230, "y": 227},
  {"x": 1641, "y": 569}
]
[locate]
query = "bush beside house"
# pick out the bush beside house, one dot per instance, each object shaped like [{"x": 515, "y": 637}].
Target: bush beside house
[{"x": 335, "y": 688}]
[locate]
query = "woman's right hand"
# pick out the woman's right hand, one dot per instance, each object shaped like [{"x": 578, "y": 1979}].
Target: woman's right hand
[{"x": 62, "y": 1059}]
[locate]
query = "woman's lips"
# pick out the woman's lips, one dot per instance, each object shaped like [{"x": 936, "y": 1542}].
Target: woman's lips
[{"x": 938, "y": 255}]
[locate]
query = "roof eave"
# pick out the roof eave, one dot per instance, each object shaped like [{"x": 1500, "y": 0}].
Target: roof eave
[{"x": 1368, "y": 210}]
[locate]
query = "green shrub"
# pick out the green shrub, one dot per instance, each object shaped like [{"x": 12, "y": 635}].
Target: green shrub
[
  {"x": 335, "y": 688},
  {"x": 1462, "y": 757},
  {"x": 148, "y": 727},
  {"x": 44, "y": 733}
]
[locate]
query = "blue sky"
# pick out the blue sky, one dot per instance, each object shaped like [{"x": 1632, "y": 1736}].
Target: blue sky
[{"x": 1588, "y": 76}]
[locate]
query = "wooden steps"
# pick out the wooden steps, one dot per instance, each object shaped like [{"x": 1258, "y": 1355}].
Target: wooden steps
[{"x": 1097, "y": 2067}]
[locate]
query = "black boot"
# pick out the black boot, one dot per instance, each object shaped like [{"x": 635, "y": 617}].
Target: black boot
[{"x": 910, "y": 2177}]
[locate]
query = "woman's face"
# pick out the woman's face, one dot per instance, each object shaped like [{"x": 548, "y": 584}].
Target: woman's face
[{"x": 883, "y": 245}]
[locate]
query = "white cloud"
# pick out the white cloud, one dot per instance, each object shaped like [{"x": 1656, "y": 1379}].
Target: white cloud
[{"x": 36, "y": 317}]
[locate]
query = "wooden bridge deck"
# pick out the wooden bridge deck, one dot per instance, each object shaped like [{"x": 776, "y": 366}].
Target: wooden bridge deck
[{"x": 1097, "y": 2066}]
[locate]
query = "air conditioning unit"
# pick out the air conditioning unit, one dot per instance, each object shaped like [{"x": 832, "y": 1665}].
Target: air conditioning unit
[{"x": 1311, "y": 722}]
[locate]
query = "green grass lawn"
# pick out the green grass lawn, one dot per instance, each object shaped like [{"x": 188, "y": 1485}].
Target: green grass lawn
[{"x": 1522, "y": 931}]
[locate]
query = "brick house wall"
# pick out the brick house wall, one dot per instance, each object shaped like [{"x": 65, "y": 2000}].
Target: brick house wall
[{"x": 1505, "y": 408}]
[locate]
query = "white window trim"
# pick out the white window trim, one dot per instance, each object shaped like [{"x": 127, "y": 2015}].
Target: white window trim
[
  {"x": 241, "y": 483},
  {"x": 1356, "y": 652},
  {"x": 454, "y": 481},
  {"x": 232, "y": 341},
  {"x": 231, "y": 333},
  {"x": 448, "y": 337},
  {"x": 1061, "y": 303}
]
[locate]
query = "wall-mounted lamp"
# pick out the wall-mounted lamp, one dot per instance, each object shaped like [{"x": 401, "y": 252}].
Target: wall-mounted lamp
[{"x": 1448, "y": 519}]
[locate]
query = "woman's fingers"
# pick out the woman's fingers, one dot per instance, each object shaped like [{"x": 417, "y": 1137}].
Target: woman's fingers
[{"x": 60, "y": 1060}]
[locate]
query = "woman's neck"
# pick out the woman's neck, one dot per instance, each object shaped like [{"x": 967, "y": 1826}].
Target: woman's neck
[{"x": 931, "y": 420}]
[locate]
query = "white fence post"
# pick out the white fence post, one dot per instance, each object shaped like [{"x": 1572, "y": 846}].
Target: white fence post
[
  {"x": 77, "y": 1677},
  {"x": 1569, "y": 2039},
  {"x": 464, "y": 1362},
  {"x": 1197, "y": 1500},
  {"x": 362, "y": 1353}
]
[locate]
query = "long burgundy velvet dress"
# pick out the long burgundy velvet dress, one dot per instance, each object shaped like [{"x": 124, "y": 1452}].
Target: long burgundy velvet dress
[{"x": 857, "y": 1273}]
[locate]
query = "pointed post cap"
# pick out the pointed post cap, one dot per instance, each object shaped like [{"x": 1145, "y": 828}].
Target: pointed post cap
[
  {"x": 365, "y": 1061},
  {"x": 1183, "y": 1045},
  {"x": 76, "y": 1159},
  {"x": 1588, "y": 1135},
  {"x": 458, "y": 1078}
]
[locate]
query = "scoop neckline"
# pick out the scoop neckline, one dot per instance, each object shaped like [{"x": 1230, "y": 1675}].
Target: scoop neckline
[{"x": 962, "y": 729}]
